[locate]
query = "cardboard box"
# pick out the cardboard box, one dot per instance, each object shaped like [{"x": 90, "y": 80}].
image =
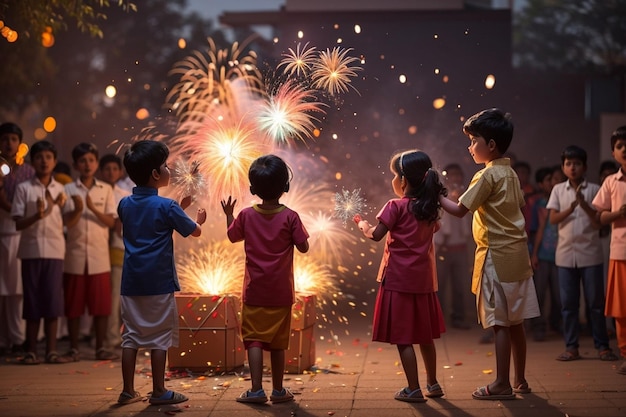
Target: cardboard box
[
  {"x": 301, "y": 353},
  {"x": 303, "y": 312},
  {"x": 209, "y": 334}
]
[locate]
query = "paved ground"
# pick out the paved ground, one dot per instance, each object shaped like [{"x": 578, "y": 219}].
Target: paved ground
[{"x": 354, "y": 378}]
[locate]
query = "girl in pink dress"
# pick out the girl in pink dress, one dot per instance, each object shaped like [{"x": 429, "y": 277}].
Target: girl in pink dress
[{"x": 407, "y": 310}]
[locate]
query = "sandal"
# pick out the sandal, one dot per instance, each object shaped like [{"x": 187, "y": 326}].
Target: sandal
[
  {"x": 434, "y": 391},
  {"x": 30, "y": 359},
  {"x": 126, "y": 398},
  {"x": 170, "y": 397},
  {"x": 410, "y": 396},
  {"x": 104, "y": 355},
  {"x": 72, "y": 355},
  {"x": 568, "y": 356},
  {"x": 607, "y": 355},
  {"x": 255, "y": 397},
  {"x": 281, "y": 396},
  {"x": 522, "y": 388},
  {"x": 482, "y": 393},
  {"x": 54, "y": 358}
]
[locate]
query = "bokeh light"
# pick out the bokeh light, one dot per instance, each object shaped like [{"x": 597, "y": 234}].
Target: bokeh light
[
  {"x": 49, "y": 124},
  {"x": 110, "y": 91}
]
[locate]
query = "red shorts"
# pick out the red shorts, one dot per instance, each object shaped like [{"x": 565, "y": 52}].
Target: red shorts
[{"x": 91, "y": 291}]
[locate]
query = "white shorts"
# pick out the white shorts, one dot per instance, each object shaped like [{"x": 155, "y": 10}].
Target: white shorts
[
  {"x": 150, "y": 321},
  {"x": 504, "y": 303}
]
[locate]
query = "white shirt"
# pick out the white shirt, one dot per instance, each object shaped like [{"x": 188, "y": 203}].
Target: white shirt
[
  {"x": 88, "y": 240},
  {"x": 611, "y": 197},
  {"x": 118, "y": 193},
  {"x": 579, "y": 243},
  {"x": 43, "y": 239}
]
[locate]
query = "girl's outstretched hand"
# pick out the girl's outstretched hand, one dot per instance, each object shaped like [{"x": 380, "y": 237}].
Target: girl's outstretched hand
[{"x": 228, "y": 206}]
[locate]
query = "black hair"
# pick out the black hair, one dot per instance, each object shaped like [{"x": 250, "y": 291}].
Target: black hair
[
  {"x": 491, "y": 124},
  {"x": 609, "y": 165},
  {"x": 574, "y": 152},
  {"x": 63, "y": 168},
  {"x": 417, "y": 169},
  {"x": 82, "y": 149},
  {"x": 269, "y": 177},
  {"x": 142, "y": 158},
  {"x": 40, "y": 146},
  {"x": 108, "y": 158},
  {"x": 9, "y": 127},
  {"x": 542, "y": 173},
  {"x": 619, "y": 133}
]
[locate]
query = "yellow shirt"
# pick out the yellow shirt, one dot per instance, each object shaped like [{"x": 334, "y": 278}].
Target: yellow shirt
[{"x": 495, "y": 197}]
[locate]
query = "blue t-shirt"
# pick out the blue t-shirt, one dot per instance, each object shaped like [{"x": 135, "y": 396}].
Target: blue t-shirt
[{"x": 148, "y": 222}]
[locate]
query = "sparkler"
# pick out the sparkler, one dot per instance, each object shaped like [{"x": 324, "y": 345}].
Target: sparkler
[
  {"x": 347, "y": 204},
  {"x": 300, "y": 60},
  {"x": 287, "y": 114},
  {"x": 187, "y": 179},
  {"x": 332, "y": 71}
]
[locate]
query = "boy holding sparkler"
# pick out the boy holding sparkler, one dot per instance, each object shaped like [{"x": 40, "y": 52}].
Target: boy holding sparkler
[
  {"x": 269, "y": 230},
  {"x": 149, "y": 277},
  {"x": 502, "y": 277}
]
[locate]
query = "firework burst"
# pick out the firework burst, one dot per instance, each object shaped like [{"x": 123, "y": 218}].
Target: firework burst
[
  {"x": 224, "y": 151},
  {"x": 215, "y": 270},
  {"x": 300, "y": 60},
  {"x": 332, "y": 71},
  {"x": 287, "y": 115},
  {"x": 347, "y": 204},
  {"x": 329, "y": 239},
  {"x": 312, "y": 277},
  {"x": 206, "y": 80}
]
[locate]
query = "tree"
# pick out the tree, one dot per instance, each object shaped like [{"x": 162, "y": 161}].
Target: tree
[
  {"x": 572, "y": 36},
  {"x": 26, "y": 59}
]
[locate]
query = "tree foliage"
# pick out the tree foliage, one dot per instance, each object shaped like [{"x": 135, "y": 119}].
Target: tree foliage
[
  {"x": 135, "y": 54},
  {"x": 572, "y": 36}
]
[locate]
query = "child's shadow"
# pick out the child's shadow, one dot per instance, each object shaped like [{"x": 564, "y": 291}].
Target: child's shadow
[{"x": 539, "y": 405}]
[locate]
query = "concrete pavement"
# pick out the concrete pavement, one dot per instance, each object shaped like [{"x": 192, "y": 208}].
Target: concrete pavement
[{"x": 354, "y": 377}]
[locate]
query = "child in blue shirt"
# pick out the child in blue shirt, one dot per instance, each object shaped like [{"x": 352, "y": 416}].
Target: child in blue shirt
[{"x": 149, "y": 277}]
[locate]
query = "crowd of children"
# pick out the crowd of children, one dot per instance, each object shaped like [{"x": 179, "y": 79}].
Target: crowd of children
[{"x": 535, "y": 247}]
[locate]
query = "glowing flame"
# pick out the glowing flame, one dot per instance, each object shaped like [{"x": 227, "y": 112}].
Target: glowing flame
[{"x": 216, "y": 270}]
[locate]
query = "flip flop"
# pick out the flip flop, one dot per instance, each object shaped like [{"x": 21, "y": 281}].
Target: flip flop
[
  {"x": 54, "y": 358},
  {"x": 170, "y": 397},
  {"x": 568, "y": 356},
  {"x": 30, "y": 359},
  {"x": 126, "y": 398},
  {"x": 252, "y": 397},
  {"x": 482, "y": 393},
  {"x": 434, "y": 391},
  {"x": 405, "y": 395},
  {"x": 522, "y": 389}
]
